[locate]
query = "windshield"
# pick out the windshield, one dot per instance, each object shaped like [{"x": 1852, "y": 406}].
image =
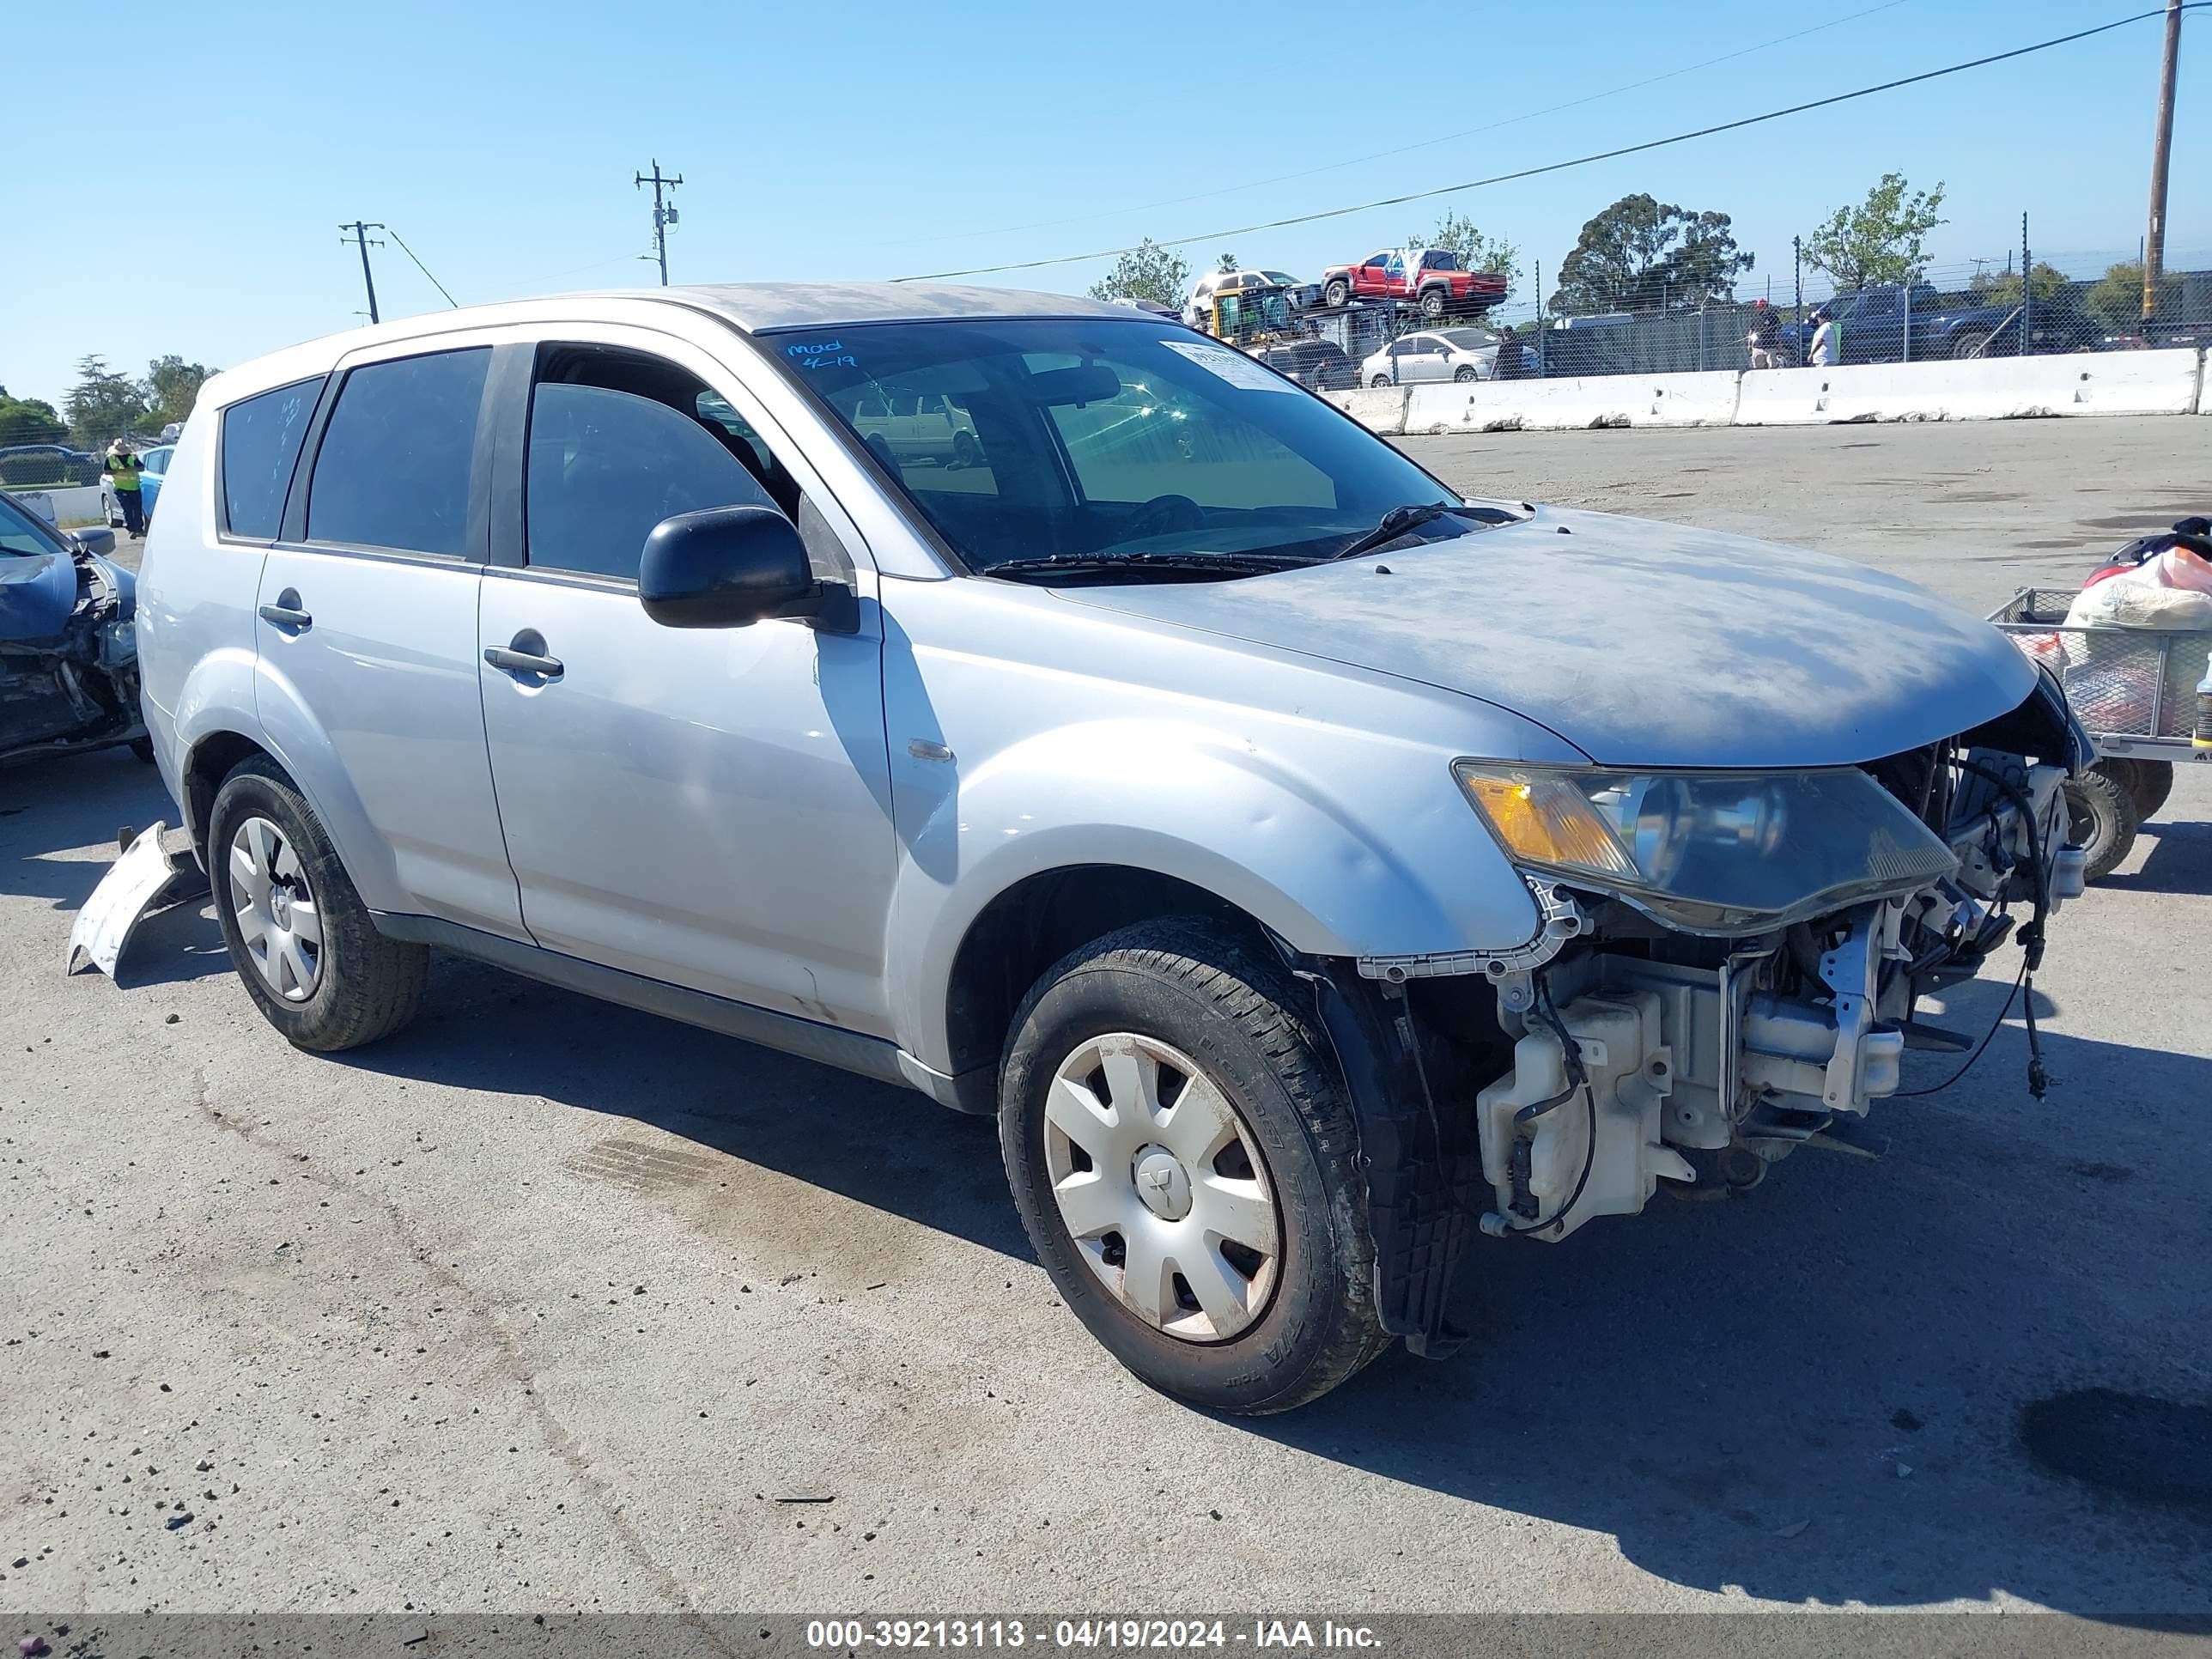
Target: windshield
[
  {"x": 23, "y": 532},
  {"x": 1072, "y": 439}
]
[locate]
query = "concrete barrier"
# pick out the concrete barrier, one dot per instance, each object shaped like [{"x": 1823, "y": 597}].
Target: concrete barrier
[
  {"x": 2204, "y": 385},
  {"x": 1695, "y": 399},
  {"x": 72, "y": 505},
  {"x": 1379, "y": 409},
  {"x": 1994, "y": 389}
]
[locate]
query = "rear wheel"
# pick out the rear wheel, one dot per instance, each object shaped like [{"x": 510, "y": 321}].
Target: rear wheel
[
  {"x": 299, "y": 935},
  {"x": 1432, "y": 303},
  {"x": 1185, "y": 1163},
  {"x": 1969, "y": 342},
  {"x": 2101, "y": 818}
]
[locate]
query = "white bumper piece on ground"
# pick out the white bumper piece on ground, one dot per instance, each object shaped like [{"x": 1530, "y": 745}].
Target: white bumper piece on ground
[{"x": 138, "y": 881}]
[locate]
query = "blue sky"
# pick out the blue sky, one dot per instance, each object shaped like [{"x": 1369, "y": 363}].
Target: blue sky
[{"x": 859, "y": 141}]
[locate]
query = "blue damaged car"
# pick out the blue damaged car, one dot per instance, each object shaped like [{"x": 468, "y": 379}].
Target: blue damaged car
[{"x": 68, "y": 659}]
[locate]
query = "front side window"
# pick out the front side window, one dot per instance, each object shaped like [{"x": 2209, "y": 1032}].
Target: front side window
[
  {"x": 1103, "y": 439},
  {"x": 607, "y": 465},
  {"x": 261, "y": 439},
  {"x": 395, "y": 462}
]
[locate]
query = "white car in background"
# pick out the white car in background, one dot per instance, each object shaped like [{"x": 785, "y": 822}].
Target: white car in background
[{"x": 1443, "y": 354}]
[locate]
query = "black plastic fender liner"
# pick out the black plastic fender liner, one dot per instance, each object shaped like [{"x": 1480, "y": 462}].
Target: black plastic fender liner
[{"x": 1423, "y": 1162}]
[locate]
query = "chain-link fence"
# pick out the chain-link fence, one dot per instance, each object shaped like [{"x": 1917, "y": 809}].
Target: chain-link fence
[{"x": 1379, "y": 326}]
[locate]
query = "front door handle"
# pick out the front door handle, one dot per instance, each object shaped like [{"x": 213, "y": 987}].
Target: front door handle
[
  {"x": 523, "y": 655},
  {"x": 287, "y": 612}
]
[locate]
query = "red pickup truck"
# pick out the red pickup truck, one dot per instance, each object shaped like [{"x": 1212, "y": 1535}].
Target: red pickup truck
[{"x": 1434, "y": 278}]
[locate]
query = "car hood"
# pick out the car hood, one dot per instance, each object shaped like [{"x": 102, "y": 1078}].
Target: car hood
[
  {"x": 36, "y": 594},
  {"x": 1643, "y": 644}
]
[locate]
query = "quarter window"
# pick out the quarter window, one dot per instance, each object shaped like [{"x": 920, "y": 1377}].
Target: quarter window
[
  {"x": 395, "y": 462},
  {"x": 261, "y": 439}
]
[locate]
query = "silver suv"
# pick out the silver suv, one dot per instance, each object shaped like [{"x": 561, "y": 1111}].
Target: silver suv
[{"x": 1315, "y": 871}]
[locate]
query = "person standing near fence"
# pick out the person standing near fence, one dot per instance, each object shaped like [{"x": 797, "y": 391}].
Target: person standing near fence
[
  {"x": 1765, "y": 336},
  {"x": 123, "y": 467},
  {"x": 1828, "y": 340}
]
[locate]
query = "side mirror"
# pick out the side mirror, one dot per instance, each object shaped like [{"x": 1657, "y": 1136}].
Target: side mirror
[
  {"x": 101, "y": 540},
  {"x": 726, "y": 567}
]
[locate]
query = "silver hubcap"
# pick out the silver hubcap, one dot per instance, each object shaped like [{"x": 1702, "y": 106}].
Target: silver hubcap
[
  {"x": 1162, "y": 1188},
  {"x": 276, "y": 910}
]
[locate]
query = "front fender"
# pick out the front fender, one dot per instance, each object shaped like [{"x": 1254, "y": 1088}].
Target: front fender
[{"x": 1362, "y": 845}]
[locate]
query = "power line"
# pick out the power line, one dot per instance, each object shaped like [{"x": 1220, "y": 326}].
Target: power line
[
  {"x": 1561, "y": 166},
  {"x": 1426, "y": 143},
  {"x": 420, "y": 266}
]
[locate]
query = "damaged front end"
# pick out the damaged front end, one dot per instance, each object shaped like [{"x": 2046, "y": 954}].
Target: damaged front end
[
  {"x": 1727, "y": 967},
  {"x": 68, "y": 654}
]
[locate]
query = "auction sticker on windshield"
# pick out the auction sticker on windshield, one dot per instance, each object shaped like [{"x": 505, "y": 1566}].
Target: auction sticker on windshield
[{"x": 1233, "y": 367}]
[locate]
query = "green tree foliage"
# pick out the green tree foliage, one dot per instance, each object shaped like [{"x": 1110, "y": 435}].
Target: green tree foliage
[
  {"x": 1880, "y": 240},
  {"x": 1643, "y": 255},
  {"x": 2002, "y": 288},
  {"x": 29, "y": 421},
  {"x": 1459, "y": 234},
  {"x": 1224, "y": 262},
  {"x": 2115, "y": 300},
  {"x": 103, "y": 404},
  {"x": 1147, "y": 272},
  {"x": 172, "y": 387}
]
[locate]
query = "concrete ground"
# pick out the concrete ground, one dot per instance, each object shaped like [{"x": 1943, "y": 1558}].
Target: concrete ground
[{"x": 547, "y": 1306}]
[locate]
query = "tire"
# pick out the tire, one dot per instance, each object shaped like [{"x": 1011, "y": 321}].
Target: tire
[
  {"x": 2101, "y": 818},
  {"x": 1969, "y": 342},
  {"x": 1465, "y": 372},
  {"x": 1192, "y": 995},
  {"x": 1337, "y": 293},
  {"x": 2151, "y": 781},
  {"x": 1433, "y": 302},
  {"x": 966, "y": 451},
  {"x": 359, "y": 986},
  {"x": 1380, "y": 379},
  {"x": 142, "y": 750}
]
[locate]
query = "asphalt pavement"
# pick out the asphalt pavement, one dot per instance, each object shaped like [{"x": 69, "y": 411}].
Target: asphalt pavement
[{"x": 546, "y": 1305}]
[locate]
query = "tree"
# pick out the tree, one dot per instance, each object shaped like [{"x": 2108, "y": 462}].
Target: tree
[
  {"x": 1880, "y": 240},
  {"x": 104, "y": 403},
  {"x": 1147, "y": 272},
  {"x": 2002, "y": 288},
  {"x": 29, "y": 421},
  {"x": 1645, "y": 255},
  {"x": 2115, "y": 300},
  {"x": 172, "y": 387},
  {"x": 1224, "y": 262},
  {"x": 1460, "y": 235}
]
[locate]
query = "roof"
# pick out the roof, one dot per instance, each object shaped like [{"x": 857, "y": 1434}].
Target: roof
[
  {"x": 756, "y": 306},
  {"x": 752, "y": 307}
]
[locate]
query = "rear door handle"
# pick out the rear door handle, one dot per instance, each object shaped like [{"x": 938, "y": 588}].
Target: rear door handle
[{"x": 508, "y": 661}]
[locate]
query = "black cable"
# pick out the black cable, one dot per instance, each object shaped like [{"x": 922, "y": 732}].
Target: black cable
[
  {"x": 1577, "y": 1077},
  {"x": 1560, "y": 167},
  {"x": 2030, "y": 938},
  {"x": 1996, "y": 1025}
]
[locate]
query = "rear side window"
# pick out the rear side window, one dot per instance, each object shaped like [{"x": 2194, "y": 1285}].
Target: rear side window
[
  {"x": 394, "y": 464},
  {"x": 261, "y": 441}
]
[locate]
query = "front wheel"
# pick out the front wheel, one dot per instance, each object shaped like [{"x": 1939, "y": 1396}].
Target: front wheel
[
  {"x": 2101, "y": 818},
  {"x": 1185, "y": 1163},
  {"x": 299, "y": 935},
  {"x": 1380, "y": 379},
  {"x": 1464, "y": 373},
  {"x": 1968, "y": 344},
  {"x": 1337, "y": 293}
]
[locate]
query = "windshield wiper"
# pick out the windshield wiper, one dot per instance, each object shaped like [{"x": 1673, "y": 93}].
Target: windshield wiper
[
  {"x": 1237, "y": 564},
  {"x": 1399, "y": 520}
]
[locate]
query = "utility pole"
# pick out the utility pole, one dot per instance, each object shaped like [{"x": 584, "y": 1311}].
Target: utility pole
[
  {"x": 360, "y": 235},
  {"x": 663, "y": 215},
  {"x": 2161, "y": 152}
]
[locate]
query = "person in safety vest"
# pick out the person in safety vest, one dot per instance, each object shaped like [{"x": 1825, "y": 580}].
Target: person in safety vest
[{"x": 123, "y": 467}]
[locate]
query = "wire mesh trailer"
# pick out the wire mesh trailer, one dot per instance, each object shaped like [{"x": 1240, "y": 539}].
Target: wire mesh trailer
[{"x": 2135, "y": 689}]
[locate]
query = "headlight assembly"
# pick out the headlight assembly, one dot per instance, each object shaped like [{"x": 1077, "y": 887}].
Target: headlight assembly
[{"x": 1710, "y": 852}]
